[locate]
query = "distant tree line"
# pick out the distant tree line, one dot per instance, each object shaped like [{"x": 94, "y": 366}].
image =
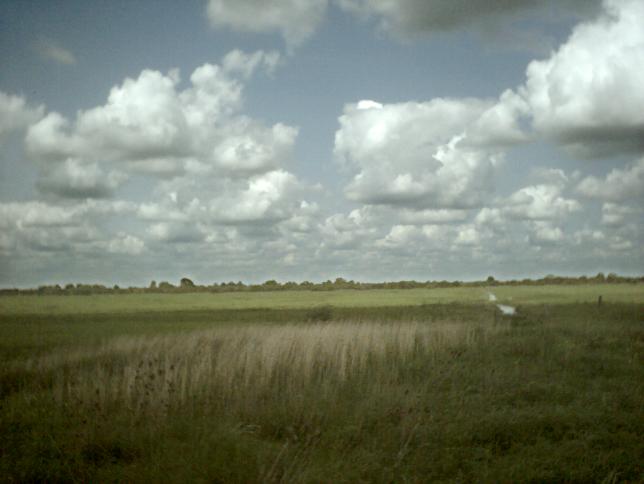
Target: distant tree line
[{"x": 186, "y": 285}]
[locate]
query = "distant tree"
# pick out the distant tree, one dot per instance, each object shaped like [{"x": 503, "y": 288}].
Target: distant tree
[
  {"x": 185, "y": 283},
  {"x": 165, "y": 286},
  {"x": 153, "y": 285},
  {"x": 83, "y": 289}
]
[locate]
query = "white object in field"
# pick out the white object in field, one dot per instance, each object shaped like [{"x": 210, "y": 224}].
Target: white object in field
[
  {"x": 491, "y": 297},
  {"x": 507, "y": 310}
]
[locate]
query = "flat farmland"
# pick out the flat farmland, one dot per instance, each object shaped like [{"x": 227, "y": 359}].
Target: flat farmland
[{"x": 128, "y": 303}]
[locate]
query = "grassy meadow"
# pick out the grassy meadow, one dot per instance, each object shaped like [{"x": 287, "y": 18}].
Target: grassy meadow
[
  {"x": 413, "y": 385},
  {"x": 348, "y": 298}
]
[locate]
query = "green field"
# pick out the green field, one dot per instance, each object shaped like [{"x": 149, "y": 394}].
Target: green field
[
  {"x": 418, "y": 385},
  {"x": 126, "y": 303}
]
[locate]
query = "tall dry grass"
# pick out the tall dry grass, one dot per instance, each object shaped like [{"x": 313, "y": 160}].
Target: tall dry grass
[{"x": 225, "y": 365}]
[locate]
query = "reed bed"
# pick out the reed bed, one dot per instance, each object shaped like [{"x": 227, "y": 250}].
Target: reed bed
[{"x": 222, "y": 365}]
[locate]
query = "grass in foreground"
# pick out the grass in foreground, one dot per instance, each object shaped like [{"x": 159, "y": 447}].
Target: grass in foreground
[{"x": 553, "y": 395}]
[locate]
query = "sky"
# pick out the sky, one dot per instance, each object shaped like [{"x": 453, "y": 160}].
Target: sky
[{"x": 374, "y": 140}]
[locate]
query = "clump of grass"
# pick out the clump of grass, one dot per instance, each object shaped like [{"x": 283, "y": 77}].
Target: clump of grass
[{"x": 320, "y": 313}]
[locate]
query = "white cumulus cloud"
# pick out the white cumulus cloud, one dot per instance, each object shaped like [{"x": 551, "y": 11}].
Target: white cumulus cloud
[
  {"x": 588, "y": 95},
  {"x": 15, "y": 114},
  {"x": 544, "y": 232},
  {"x": 39, "y": 227},
  {"x": 432, "y": 155},
  {"x": 149, "y": 126},
  {"x": 616, "y": 215},
  {"x": 619, "y": 185},
  {"x": 126, "y": 244},
  {"x": 540, "y": 202},
  {"x": 267, "y": 197}
]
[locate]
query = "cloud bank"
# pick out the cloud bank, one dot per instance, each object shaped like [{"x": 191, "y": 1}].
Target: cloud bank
[
  {"x": 415, "y": 16},
  {"x": 425, "y": 171},
  {"x": 172, "y": 174},
  {"x": 219, "y": 179},
  {"x": 297, "y": 20}
]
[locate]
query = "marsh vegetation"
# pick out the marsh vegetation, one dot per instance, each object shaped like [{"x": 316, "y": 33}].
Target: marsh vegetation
[{"x": 436, "y": 391}]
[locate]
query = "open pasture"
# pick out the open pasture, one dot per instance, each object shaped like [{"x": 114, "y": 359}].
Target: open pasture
[
  {"x": 438, "y": 390},
  {"x": 285, "y": 299}
]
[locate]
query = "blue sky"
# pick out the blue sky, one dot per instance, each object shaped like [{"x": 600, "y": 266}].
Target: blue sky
[{"x": 313, "y": 139}]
